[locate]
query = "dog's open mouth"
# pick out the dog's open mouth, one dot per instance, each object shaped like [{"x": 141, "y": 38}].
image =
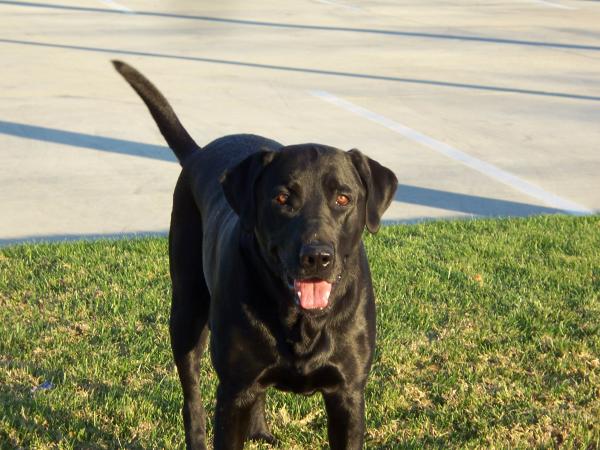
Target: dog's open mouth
[{"x": 312, "y": 293}]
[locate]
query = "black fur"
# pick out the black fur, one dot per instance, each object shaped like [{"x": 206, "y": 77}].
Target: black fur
[{"x": 234, "y": 252}]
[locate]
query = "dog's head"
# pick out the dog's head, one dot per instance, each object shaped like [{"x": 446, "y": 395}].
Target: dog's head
[{"x": 308, "y": 205}]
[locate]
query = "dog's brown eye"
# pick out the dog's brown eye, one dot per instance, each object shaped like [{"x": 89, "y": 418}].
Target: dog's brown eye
[
  {"x": 342, "y": 200},
  {"x": 282, "y": 198}
]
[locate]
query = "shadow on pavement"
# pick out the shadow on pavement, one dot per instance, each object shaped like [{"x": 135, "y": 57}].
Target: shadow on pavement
[
  {"x": 449, "y": 201},
  {"x": 258, "y": 23},
  {"x": 82, "y": 140},
  {"x": 293, "y": 69},
  {"x": 57, "y": 238},
  {"x": 469, "y": 204}
]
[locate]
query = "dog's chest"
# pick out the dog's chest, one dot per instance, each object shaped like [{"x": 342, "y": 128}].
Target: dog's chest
[
  {"x": 303, "y": 363},
  {"x": 301, "y": 379}
]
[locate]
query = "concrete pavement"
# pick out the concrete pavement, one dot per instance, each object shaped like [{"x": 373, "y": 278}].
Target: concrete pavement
[{"x": 487, "y": 108}]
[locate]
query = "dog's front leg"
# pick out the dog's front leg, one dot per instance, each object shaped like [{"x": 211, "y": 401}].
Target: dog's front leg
[
  {"x": 345, "y": 418},
  {"x": 232, "y": 418}
]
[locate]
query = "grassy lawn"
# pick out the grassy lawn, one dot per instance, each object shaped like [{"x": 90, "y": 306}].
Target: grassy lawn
[{"x": 488, "y": 336}]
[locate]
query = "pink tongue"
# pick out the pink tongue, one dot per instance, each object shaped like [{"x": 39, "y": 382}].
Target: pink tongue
[{"x": 313, "y": 294}]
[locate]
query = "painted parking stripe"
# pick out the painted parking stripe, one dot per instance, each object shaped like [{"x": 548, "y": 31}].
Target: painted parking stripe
[
  {"x": 474, "y": 163},
  {"x": 341, "y": 5},
  {"x": 552, "y": 4},
  {"x": 117, "y": 6}
]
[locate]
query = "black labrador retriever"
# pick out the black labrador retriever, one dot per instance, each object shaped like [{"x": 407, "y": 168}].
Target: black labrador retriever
[{"x": 265, "y": 251}]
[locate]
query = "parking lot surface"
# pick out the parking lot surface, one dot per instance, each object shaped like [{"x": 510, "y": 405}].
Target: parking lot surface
[{"x": 488, "y": 108}]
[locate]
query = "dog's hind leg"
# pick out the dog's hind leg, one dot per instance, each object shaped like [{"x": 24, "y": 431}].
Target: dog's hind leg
[
  {"x": 258, "y": 429},
  {"x": 189, "y": 310}
]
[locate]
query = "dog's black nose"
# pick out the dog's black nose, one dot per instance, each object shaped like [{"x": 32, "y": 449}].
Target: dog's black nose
[{"x": 316, "y": 257}]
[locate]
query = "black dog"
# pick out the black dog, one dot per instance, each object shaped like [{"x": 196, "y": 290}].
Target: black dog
[{"x": 265, "y": 251}]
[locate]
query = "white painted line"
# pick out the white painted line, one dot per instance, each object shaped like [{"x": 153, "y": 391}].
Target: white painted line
[
  {"x": 342, "y": 5},
  {"x": 552, "y": 5},
  {"x": 476, "y": 164},
  {"x": 117, "y": 6}
]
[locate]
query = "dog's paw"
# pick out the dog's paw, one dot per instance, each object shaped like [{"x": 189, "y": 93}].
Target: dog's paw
[{"x": 264, "y": 436}]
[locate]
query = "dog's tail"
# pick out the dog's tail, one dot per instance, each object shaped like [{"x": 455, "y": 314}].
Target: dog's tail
[{"x": 170, "y": 127}]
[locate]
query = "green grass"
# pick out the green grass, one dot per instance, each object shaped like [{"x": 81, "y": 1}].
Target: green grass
[{"x": 488, "y": 336}]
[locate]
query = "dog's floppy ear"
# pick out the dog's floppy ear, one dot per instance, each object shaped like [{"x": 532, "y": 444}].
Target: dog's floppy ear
[
  {"x": 380, "y": 185},
  {"x": 238, "y": 184}
]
